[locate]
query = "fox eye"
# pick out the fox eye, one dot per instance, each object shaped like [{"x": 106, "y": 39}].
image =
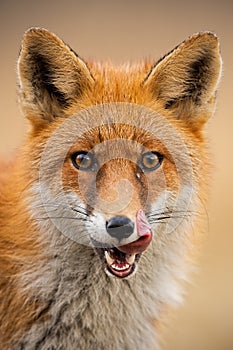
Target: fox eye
[
  {"x": 150, "y": 161},
  {"x": 85, "y": 161}
]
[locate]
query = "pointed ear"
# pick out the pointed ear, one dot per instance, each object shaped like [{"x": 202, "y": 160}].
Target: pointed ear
[
  {"x": 185, "y": 80},
  {"x": 51, "y": 76}
]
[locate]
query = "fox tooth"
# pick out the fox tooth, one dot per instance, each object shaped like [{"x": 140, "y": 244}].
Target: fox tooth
[
  {"x": 131, "y": 258},
  {"x": 108, "y": 258},
  {"x": 120, "y": 268}
]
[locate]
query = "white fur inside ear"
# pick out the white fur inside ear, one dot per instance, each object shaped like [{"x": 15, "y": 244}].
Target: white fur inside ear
[
  {"x": 186, "y": 79},
  {"x": 51, "y": 76}
]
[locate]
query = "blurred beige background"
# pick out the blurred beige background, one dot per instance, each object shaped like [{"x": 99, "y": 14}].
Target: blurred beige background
[{"x": 127, "y": 30}]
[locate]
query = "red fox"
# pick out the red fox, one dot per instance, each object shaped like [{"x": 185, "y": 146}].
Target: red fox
[{"x": 100, "y": 209}]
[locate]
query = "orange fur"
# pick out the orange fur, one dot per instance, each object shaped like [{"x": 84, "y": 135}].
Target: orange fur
[{"x": 163, "y": 87}]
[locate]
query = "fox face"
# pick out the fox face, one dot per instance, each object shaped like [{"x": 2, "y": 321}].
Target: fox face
[
  {"x": 116, "y": 183},
  {"x": 121, "y": 151},
  {"x": 102, "y": 206}
]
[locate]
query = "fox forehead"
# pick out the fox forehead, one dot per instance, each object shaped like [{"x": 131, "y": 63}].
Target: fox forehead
[
  {"x": 117, "y": 138},
  {"x": 122, "y": 83}
]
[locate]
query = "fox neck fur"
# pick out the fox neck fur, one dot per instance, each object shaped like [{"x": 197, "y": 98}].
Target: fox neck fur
[{"x": 54, "y": 290}]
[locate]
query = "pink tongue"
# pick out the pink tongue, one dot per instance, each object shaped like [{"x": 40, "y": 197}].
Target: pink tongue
[{"x": 145, "y": 235}]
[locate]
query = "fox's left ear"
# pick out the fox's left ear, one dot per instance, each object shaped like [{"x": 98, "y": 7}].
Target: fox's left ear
[
  {"x": 185, "y": 80},
  {"x": 52, "y": 77}
]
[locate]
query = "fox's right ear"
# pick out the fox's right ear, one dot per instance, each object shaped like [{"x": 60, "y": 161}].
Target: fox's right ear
[
  {"x": 52, "y": 78},
  {"x": 186, "y": 79}
]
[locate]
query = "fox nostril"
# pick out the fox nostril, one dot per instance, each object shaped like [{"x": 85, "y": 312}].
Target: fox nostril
[{"x": 120, "y": 227}]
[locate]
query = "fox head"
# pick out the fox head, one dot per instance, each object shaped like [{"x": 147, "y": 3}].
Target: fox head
[{"x": 116, "y": 156}]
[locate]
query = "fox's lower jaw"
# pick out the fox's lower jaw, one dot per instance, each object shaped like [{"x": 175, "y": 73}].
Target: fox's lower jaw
[
  {"x": 119, "y": 264},
  {"x": 122, "y": 262}
]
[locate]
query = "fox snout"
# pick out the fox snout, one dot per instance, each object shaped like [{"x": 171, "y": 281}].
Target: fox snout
[{"x": 121, "y": 259}]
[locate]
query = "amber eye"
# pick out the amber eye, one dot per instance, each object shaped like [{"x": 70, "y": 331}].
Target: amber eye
[
  {"x": 84, "y": 161},
  {"x": 150, "y": 161}
]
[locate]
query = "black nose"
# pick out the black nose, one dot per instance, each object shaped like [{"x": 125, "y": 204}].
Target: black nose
[{"x": 120, "y": 227}]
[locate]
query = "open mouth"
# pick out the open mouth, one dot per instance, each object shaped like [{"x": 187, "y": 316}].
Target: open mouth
[
  {"x": 121, "y": 261},
  {"x": 120, "y": 264}
]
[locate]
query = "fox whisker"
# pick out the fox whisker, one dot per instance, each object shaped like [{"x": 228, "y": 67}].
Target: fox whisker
[{"x": 61, "y": 217}]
